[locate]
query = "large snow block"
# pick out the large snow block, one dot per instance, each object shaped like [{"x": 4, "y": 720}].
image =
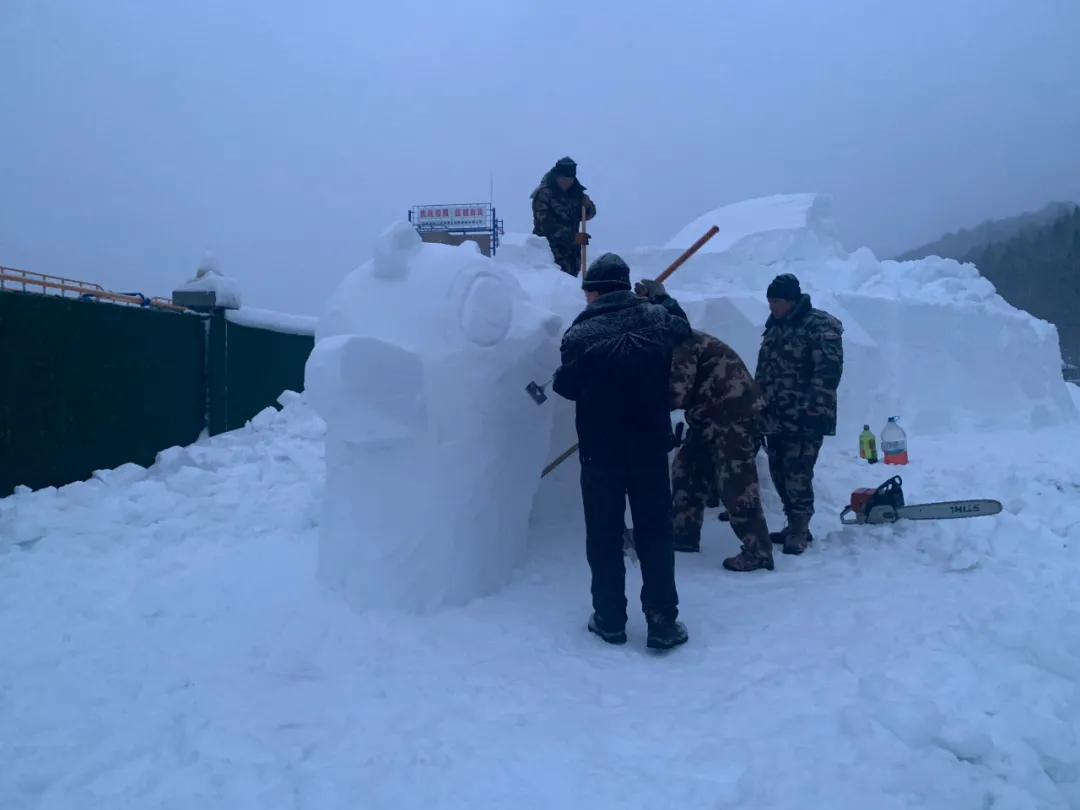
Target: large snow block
[
  {"x": 963, "y": 366},
  {"x": 768, "y": 230},
  {"x": 433, "y": 448}
]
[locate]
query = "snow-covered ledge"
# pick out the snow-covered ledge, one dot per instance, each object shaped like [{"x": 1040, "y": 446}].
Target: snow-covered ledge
[
  {"x": 209, "y": 289},
  {"x": 273, "y": 321}
]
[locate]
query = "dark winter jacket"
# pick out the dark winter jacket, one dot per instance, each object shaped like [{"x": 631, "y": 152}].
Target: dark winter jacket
[
  {"x": 799, "y": 368},
  {"x": 616, "y": 366},
  {"x": 557, "y": 213}
]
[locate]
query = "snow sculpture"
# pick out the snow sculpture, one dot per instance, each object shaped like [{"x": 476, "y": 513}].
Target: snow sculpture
[{"x": 433, "y": 448}]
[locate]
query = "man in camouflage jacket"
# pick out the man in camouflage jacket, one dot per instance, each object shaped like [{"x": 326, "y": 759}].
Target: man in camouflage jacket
[
  {"x": 556, "y": 205},
  {"x": 725, "y": 414},
  {"x": 799, "y": 368}
]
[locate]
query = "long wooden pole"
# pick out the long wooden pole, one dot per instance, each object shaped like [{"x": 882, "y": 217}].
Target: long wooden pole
[
  {"x": 584, "y": 222},
  {"x": 675, "y": 265}
]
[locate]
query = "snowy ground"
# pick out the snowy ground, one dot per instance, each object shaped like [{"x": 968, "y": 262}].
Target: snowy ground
[{"x": 166, "y": 645}]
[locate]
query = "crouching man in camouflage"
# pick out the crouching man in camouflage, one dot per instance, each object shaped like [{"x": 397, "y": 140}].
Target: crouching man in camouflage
[
  {"x": 725, "y": 413},
  {"x": 799, "y": 368}
]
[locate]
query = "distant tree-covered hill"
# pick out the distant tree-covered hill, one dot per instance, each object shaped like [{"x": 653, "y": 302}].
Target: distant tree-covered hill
[
  {"x": 1037, "y": 269},
  {"x": 990, "y": 231}
]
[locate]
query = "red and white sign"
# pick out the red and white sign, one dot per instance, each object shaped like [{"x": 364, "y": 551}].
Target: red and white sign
[{"x": 453, "y": 217}]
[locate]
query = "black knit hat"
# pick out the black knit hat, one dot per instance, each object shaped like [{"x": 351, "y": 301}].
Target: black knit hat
[
  {"x": 565, "y": 167},
  {"x": 607, "y": 274},
  {"x": 785, "y": 287}
]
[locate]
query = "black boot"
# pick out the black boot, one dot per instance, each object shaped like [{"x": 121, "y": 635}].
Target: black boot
[
  {"x": 746, "y": 560},
  {"x": 778, "y": 538},
  {"x": 687, "y": 538},
  {"x": 665, "y": 632},
  {"x": 609, "y": 631},
  {"x": 798, "y": 536},
  {"x": 724, "y": 517}
]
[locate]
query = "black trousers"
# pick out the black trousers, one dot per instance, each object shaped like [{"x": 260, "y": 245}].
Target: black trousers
[{"x": 605, "y": 488}]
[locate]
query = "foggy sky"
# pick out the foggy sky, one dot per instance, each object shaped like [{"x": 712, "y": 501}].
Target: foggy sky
[{"x": 137, "y": 134}]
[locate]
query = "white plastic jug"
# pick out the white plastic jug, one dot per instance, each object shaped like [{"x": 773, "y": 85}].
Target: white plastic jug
[{"x": 894, "y": 442}]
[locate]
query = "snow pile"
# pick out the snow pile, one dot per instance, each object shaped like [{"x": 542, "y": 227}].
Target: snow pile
[
  {"x": 266, "y": 476},
  {"x": 209, "y": 278},
  {"x": 419, "y": 369},
  {"x": 528, "y": 258},
  {"x": 524, "y": 250},
  {"x": 167, "y": 643}
]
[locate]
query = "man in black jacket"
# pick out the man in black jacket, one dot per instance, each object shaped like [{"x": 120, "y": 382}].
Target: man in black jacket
[{"x": 616, "y": 367}]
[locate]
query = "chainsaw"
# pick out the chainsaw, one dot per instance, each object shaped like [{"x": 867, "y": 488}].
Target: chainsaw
[{"x": 886, "y": 505}]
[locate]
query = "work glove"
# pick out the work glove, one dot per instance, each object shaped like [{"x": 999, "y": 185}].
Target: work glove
[
  {"x": 581, "y": 238},
  {"x": 649, "y": 289},
  {"x": 586, "y": 200}
]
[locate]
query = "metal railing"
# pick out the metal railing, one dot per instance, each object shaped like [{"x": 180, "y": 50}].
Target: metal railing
[{"x": 43, "y": 284}]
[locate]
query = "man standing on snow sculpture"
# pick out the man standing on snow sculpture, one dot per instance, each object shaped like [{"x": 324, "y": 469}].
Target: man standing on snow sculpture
[
  {"x": 556, "y": 205},
  {"x": 616, "y": 368},
  {"x": 799, "y": 368},
  {"x": 725, "y": 416}
]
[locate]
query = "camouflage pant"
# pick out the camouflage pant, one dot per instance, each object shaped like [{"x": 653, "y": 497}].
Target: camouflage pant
[
  {"x": 724, "y": 463},
  {"x": 791, "y": 466},
  {"x": 567, "y": 256}
]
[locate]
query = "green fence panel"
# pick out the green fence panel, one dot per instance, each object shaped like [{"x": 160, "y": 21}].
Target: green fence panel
[
  {"x": 217, "y": 374},
  {"x": 88, "y": 385},
  {"x": 249, "y": 369}
]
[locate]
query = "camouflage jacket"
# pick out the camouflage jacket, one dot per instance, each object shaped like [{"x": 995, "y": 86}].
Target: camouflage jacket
[
  {"x": 712, "y": 385},
  {"x": 557, "y": 213},
  {"x": 799, "y": 368}
]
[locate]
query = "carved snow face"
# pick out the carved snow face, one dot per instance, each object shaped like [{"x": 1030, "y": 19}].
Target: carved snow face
[{"x": 428, "y": 332}]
